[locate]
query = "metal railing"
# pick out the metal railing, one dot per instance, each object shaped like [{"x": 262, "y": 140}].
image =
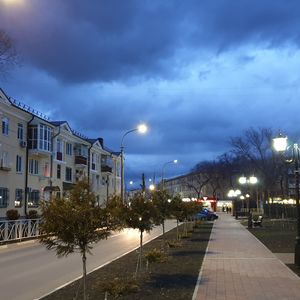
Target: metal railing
[{"x": 18, "y": 230}]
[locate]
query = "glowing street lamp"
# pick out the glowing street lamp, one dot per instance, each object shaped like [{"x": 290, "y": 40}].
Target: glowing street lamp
[
  {"x": 248, "y": 181},
  {"x": 280, "y": 144},
  {"x": 151, "y": 187},
  {"x": 234, "y": 194},
  {"x": 142, "y": 128}
]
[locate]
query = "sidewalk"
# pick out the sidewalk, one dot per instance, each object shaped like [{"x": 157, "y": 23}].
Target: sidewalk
[{"x": 239, "y": 267}]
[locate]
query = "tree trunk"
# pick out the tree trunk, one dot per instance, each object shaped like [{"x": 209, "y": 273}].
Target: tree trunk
[
  {"x": 164, "y": 238},
  {"x": 139, "y": 261},
  {"x": 141, "y": 249},
  {"x": 84, "y": 274}
]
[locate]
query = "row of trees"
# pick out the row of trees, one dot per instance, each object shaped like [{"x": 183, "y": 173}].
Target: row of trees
[
  {"x": 250, "y": 154},
  {"x": 75, "y": 223}
]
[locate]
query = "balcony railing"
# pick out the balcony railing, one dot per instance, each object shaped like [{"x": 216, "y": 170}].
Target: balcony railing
[
  {"x": 80, "y": 160},
  {"x": 106, "y": 169}
]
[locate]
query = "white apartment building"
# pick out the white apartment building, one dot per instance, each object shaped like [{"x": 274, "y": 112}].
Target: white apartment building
[{"x": 40, "y": 159}]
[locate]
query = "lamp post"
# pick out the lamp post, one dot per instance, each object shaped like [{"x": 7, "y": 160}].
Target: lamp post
[
  {"x": 175, "y": 161},
  {"x": 280, "y": 144},
  {"x": 248, "y": 181},
  {"x": 234, "y": 194},
  {"x": 142, "y": 128}
]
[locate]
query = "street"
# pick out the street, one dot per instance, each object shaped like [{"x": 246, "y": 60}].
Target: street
[{"x": 30, "y": 271}]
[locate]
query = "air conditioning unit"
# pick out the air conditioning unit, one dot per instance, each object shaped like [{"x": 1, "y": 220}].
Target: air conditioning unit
[{"x": 23, "y": 144}]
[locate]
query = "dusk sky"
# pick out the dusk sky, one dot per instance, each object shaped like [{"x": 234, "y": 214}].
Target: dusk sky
[{"x": 197, "y": 72}]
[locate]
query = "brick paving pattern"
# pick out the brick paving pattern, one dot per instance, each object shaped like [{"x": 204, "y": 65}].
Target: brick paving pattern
[{"x": 239, "y": 267}]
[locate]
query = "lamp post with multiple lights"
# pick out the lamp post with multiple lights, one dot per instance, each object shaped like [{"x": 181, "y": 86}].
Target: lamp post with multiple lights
[
  {"x": 142, "y": 128},
  {"x": 248, "y": 181},
  {"x": 234, "y": 194},
  {"x": 175, "y": 161},
  {"x": 280, "y": 144}
]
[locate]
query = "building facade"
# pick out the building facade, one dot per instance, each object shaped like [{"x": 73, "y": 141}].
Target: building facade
[{"x": 41, "y": 159}]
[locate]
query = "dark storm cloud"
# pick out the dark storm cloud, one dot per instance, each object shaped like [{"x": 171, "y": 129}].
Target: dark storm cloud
[{"x": 78, "y": 41}]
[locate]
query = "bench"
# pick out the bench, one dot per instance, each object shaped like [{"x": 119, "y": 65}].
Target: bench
[{"x": 257, "y": 222}]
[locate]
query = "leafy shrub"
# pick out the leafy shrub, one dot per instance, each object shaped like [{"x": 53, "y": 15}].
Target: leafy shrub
[
  {"x": 186, "y": 235},
  {"x": 120, "y": 286},
  {"x": 12, "y": 214},
  {"x": 174, "y": 244},
  {"x": 32, "y": 214},
  {"x": 154, "y": 255}
]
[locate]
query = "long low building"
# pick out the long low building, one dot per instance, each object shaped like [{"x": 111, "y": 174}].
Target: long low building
[{"x": 40, "y": 159}]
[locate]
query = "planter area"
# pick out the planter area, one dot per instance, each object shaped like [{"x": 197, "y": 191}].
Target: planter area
[{"x": 171, "y": 271}]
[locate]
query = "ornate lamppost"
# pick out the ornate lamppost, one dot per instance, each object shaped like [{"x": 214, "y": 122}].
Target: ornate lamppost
[
  {"x": 280, "y": 144},
  {"x": 248, "y": 181}
]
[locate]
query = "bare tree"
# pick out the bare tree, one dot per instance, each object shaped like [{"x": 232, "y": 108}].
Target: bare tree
[
  {"x": 196, "y": 181},
  {"x": 257, "y": 156},
  {"x": 8, "y": 54}
]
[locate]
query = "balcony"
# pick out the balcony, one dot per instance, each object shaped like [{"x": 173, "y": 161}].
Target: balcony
[
  {"x": 5, "y": 168},
  {"x": 80, "y": 160},
  {"x": 106, "y": 169}
]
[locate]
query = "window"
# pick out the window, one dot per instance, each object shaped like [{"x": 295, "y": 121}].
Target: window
[
  {"x": 59, "y": 149},
  {"x": 19, "y": 198},
  {"x": 58, "y": 171},
  {"x": 33, "y": 167},
  {"x": 69, "y": 148},
  {"x": 39, "y": 137},
  {"x": 4, "y": 159},
  {"x": 32, "y": 137},
  {"x": 19, "y": 164},
  {"x": 5, "y": 126},
  {"x": 46, "y": 170},
  {"x": 4, "y": 197},
  {"x": 34, "y": 198},
  {"x": 68, "y": 174},
  {"x": 44, "y": 137},
  {"x": 58, "y": 145},
  {"x": 20, "y": 132},
  {"x": 93, "y": 161}
]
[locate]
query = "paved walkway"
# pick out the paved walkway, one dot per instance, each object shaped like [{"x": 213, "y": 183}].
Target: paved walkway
[{"x": 239, "y": 267}]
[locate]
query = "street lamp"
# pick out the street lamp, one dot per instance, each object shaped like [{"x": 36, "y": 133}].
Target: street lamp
[
  {"x": 234, "y": 194},
  {"x": 142, "y": 128},
  {"x": 175, "y": 161},
  {"x": 151, "y": 187},
  {"x": 280, "y": 144},
  {"x": 248, "y": 181}
]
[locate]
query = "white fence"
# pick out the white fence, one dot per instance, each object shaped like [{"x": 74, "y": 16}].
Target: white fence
[{"x": 19, "y": 229}]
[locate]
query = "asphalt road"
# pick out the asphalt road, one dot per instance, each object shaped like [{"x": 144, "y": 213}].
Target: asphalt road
[{"x": 30, "y": 271}]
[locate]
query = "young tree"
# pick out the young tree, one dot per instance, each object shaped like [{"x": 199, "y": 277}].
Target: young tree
[
  {"x": 161, "y": 202},
  {"x": 189, "y": 209},
  {"x": 176, "y": 209},
  {"x": 140, "y": 214},
  {"x": 73, "y": 224}
]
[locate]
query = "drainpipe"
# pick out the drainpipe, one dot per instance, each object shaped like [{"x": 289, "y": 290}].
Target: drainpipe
[
  {"x": 51, "y": 161},
  {"x": 89, "y": 162},
  {"x": 26, "y": 167}
]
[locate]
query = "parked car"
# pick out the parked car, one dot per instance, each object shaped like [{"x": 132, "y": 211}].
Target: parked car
[{"x": 206, "y": 214}]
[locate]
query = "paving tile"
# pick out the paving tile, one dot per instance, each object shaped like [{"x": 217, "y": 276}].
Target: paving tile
[{"x": 239, "y": 267}]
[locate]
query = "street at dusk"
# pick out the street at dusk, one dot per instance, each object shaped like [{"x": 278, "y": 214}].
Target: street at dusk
[{"x": 149, "y": 149}]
